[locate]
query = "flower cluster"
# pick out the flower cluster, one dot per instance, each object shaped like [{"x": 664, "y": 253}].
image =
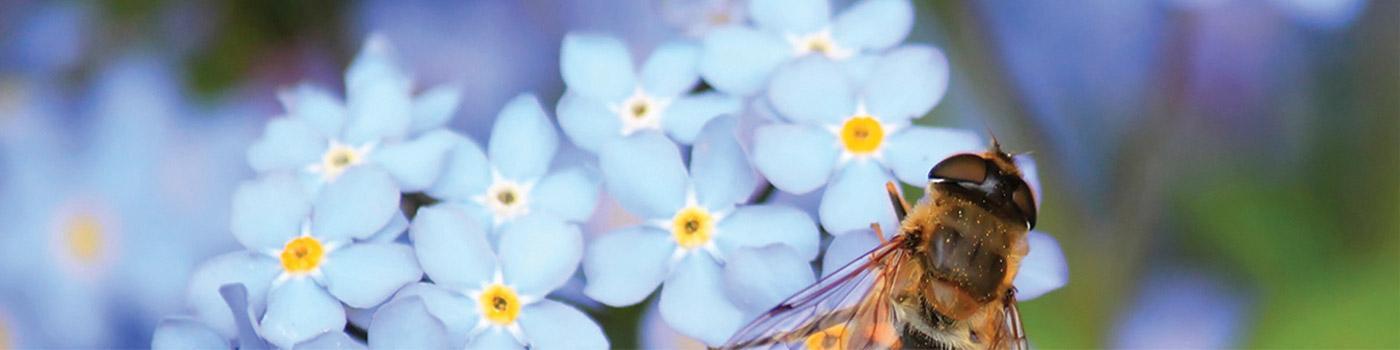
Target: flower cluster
[{"x": 495, "y": 235}]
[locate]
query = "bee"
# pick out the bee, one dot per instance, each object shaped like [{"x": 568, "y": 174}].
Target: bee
[{"x": 942, "y": 281}]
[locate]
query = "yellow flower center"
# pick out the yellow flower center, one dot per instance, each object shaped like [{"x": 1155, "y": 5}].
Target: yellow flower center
[
  {"x": 302, "y": 255},
  {"x": 83, "y": 236},
  {"x": 833, "y": 338},
  {"x": 499, "y": 304},
  {"x": 862, "y": 134},
  {"x": 692, "y": 227},
  {"x": 339, "y": 158},
  {"x": 639, "y": 108}
]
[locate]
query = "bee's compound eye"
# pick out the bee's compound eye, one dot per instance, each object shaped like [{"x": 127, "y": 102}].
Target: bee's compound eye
[
  {"x": 1025, "y": 202},
  {"x": 960, "y": 168}
]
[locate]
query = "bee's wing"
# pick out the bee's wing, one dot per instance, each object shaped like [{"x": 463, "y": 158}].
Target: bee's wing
[
  {"x": 1010, "y": 334},
  {"x": 851, "y": 304}
]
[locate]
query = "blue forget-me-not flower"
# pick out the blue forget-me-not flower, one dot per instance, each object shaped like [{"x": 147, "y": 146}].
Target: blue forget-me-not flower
[
  {"x": 381, "y": 124},
  {"x": 484, "y": 298},
  {"x": 512, "y": 179},
  {"x": 719, "y": 262},
  {"x": 850, "y": 134},
  {"x": 307, "y": 255},
  {"x": 608, "y": 99},
  {"x": 78, "y": 221},
  {"x": 739, "y": 59}
]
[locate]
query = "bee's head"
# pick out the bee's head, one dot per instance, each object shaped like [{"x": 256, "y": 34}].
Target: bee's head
[{"x": 992, "y": 174}]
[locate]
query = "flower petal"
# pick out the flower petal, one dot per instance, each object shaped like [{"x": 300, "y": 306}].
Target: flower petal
[
  {"x": 571, "y": 194},
  {"x": 184, "y": 333},
  {"x": 432, "y": 109},
  {"x": 331, "y": 340},
  {"x": 688, "y": 114},
  {"x": 447, "y": 306},
  {"x": 494, "y": 339},
  {"x": 795, "y": 158},
  {"x": 539, "y": 253},
  {"x": 796, "y": 17},
  {"x": 623, "y": 267},
  {"x": 466, "y": 172},
  {"x": 596, "y": 66},
  {"x": 907, "y": 83},
  {"x": 392, "y": 231},
  {"x": 268, "y": 212},
  {"x": 738, "y": 60},
  {"x": 759, "y": 278},
  {"x": 873, "y": 24},
  {"x": 365, "y": 274},
  {"x": 812, "y": 89},
  {"x": 286, "y": 144},
  {"x": 356, "y": 205},
  {"x": 318, "y": 108},
  {"x": 299, "y": 310},
  {"x": 523, "y": 140},
  {"x": 550, "y": 324},
  {"x": 671, "y": 70},
  {"x": 416, "y": 164},
  {"x": 856, "y": 198},
  {"x": 753, "y": 226},
  {"x": 644, "y": 172},
  {"x": 587, "y": 121},
  {"x": 406, "y": 324},
  {"x": 452, "y": 248},
  {"x": 912, "y": 151},
  {"x": 722, "y": 176},
  {"x": 253, "y": 270},
  {"x": 693, "y": 301},
  {"x": 846, "y": 247},
  {"x": 1043, "y": 269},
  {"x": 378, "y": 95}
]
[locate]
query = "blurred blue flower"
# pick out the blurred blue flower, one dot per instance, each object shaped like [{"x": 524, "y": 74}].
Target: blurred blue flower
[
  {"x": 697, "y": 18},
  {"x": 607, "y": 99},
  {"x": 695, "y": 235},
  {"x": 44, "y": 39},
  {"x": 1181, "y": 309},
  {"x": 80, "y": 220},
  {"x": 512, "y": 179},
  {"x": 485, "y": 298},
  {"x": 489, "y": 49},
  {"x": 850, "y": 135},
  {"x": 739, "y": 59},
  {"x": 307, "y": 255},
  {"x": 381, "y": 125}
]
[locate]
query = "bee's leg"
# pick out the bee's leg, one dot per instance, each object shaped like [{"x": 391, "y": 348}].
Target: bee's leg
[
  {"x": 878, "y": 232},
  {"x": 901, "y": 208}
]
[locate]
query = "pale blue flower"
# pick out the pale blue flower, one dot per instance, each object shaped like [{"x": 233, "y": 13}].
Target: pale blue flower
[
  {"x": 721, "y": 262},
  {"x": 187, "y": 333},
  {"x": 512, "y": 179},
  {"x": 488, "y": 298},
  {"x": 608, "y": 98},
  {"x": 307, "y": 255},
  {"x": 1183, "y": 309},
  {"x": 381, "y": 125},
  {"x": 78, "y": 221},
  {"x": 739, "y": 59},
  {"x": 853, "y": 136}
]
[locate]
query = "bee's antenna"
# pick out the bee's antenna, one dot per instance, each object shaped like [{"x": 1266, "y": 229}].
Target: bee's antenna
[{"x": 996, "y": 146}]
